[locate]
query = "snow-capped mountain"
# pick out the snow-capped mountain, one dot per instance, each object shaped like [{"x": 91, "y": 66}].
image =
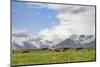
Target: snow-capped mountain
[
  {"x": 81, "y": 41},
  {"x": 35, "y": 41}
]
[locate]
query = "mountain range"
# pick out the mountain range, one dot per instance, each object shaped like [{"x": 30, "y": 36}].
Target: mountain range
[{"x": 33, "y": 41}]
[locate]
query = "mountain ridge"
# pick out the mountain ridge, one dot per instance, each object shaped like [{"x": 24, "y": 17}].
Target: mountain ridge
[{"x": 25, "y": 41}]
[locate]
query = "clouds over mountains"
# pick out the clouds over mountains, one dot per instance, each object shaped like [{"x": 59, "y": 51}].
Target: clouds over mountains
[
  {"x": 33, "y": 41},
  {"x": 73, "y": 19}
]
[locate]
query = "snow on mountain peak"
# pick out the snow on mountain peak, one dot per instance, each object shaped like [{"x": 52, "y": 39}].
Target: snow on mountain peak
[{"x": 35, "y": 41}]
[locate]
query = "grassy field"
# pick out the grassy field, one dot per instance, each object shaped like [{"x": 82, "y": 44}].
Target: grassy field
[{"x": 48, "y": 57}]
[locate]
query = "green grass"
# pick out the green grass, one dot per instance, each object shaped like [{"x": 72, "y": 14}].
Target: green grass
[{"x": 47, "y": 57}]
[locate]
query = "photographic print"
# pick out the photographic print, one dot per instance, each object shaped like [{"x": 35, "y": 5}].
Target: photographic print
[{"x": 52, "y": 33}]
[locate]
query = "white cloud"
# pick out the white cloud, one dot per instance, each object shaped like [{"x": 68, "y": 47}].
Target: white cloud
[
  {"x": 36, "y": 5},
  {"x": 73, "y": 20}
]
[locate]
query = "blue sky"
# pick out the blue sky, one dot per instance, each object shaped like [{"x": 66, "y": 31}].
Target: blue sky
[
  {"x": 53, "y": 19},
  {"x": 32, "y": 17}
]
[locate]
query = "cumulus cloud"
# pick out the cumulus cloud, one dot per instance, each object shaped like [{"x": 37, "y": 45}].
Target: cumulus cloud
[
  {"x": 20, "y": 35},
  {"x": 74, "y": 19}
]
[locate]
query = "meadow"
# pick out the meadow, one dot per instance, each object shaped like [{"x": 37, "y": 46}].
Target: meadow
[{"x": 49, "y": 57}]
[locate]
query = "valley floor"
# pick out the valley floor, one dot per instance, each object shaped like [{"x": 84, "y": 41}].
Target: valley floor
[{"x": 49, "y": 57}]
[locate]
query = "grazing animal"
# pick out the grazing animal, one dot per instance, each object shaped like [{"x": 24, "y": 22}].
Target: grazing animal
[
  {"x": 79, "y": 48},
  {"x": 26, "y": 51},
  {"x": 56, "y": 49},
  {"x": 65, "y": 49},
  {"x": 44, "y": 48}
]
